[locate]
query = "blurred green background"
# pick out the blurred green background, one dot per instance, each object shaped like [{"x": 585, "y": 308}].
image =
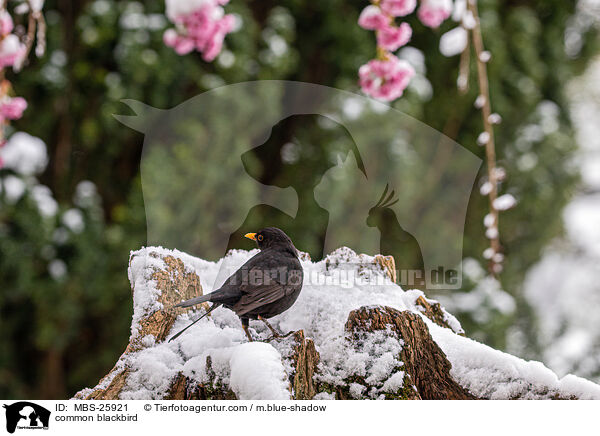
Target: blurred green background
[{"x": 65, "y": 301}]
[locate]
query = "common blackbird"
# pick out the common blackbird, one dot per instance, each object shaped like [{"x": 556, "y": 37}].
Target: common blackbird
[{"x": 266, "y": 285}]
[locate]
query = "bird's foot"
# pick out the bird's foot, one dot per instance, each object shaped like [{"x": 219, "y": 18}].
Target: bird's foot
[
  {"x": 279, "y": 336},
  {"x": 275, "y": 332}
]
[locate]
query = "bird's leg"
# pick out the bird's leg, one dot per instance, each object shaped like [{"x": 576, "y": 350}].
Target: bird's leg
[
  {"x": 245, "y": 324},
  {"x": 275, "y": 332},
  {"x": 247, "y": 333}
]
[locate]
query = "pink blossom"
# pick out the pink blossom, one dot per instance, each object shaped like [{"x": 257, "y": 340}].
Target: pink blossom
[
  {"x": 398, "y": 8},
  {"x": 215, "y": 42},
  {"x": 432, "y": 13},
  {"x": 371, "y": 18},
  {"x": 170, "y": 37},
  {"x": 12, "y": 108},
  {"x": 180, "y": 43},
  {"x": 385, "y": 79},
  {"x": 11, "y": 50},
  {"x": 204, "y": 30},
  {"x": 6, "y": 23},
  {"x": 392, "y": 38},
  {"x": 183, "y": 45}
]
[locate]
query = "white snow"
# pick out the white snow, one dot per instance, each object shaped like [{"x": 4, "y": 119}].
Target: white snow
[
  {"x": 505, "y": 202},
  {"x": 257, "y": 373},
  {"x": 73, "y": 220},
  {"x": 25, "y": 154},
  {"x": 145, "y": 293},
  {"x": 495, "y": 118},
  {"x": 454, "y": 41},
  {"x": 582, "y": 216},
  {"x": 489, "y": 373},
  {"x": 46, "y": 203},
  {"x": 176, "y": 8},
  {"x": 483, "y": 138},
  {"x": 487, "y": 297},
  {"x": 479, "y": 101},
  {"x": 485, "y": 56},
  {"x": 460, "y": 7},
  {"x": 57, "y": 269},
  {"x": 563, "y": 288},
  {"x": 485, "y": 188},
  {"x": 491, "y": 232},
  {"x": 253, "y": 370},
  {"x": 469, "y": 21},
  {"x": 489, "y": 220},
  {"x": 12, "y": 187},
  {"x": 85, "y": 194},
  {"x": 333, "y": 287}
]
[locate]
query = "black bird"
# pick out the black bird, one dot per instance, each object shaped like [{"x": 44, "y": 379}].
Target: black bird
[{"x": 266, "y": 285}]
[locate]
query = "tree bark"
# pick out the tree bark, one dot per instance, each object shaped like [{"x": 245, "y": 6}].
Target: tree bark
[{"x": 424, "y": 361}]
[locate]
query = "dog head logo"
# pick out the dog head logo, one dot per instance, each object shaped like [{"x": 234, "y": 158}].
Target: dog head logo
[{"x": 26, "y": 415}]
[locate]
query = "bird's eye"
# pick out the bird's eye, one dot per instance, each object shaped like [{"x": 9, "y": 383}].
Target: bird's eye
[{"x": 260, "y": 237}]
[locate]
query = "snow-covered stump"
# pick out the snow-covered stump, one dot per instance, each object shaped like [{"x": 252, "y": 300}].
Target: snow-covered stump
[
  {"x": 426, "y": 368},
  {"x": 296, "y": 350},
  {"x": 157, "y": 281},
  {"x": 356, "y": 335}
]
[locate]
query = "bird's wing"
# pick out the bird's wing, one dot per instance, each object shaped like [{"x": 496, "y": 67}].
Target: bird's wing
[
  {"x": 261, "y": 295},
  {"x": 263, "y": 279},
  {"x": 264, "y": 260}
]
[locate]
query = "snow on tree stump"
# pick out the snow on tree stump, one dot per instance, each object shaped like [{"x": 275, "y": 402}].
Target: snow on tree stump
[
  {"x": 414, "y": 351},
  {"x": 303, "y": 358},
  {"x": 388, "y": 264},
  {"x": 427, "y": 368},
  {"x": 176, "y": 283}
]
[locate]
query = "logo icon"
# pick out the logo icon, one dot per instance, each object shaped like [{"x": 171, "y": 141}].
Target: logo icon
[{"x": 26, "y": 415}]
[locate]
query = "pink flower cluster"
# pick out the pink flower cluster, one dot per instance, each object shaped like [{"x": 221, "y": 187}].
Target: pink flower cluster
[
  {"x": 11, "y": 52},
  {"x": 381, "y": 19},
  {"x": 12, "y": 49},
  {"x": 387, "y": 76},
  {"x": 203, "y": 29},
  {"x": 385, "y": 79},
  {"x": 432, "y": 13},
  {"x": 12, "y": 108}
]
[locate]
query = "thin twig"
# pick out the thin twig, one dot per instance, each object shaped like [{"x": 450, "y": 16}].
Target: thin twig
[
  {"x": 40, "y": 47},
  {"x": 462, "y": 81},
  {"x": 490, "y": 148},
  {"x": 29, "y": 38}
]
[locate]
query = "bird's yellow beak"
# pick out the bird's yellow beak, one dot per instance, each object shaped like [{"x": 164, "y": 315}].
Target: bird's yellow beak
[{"x": 251, "y": 236}]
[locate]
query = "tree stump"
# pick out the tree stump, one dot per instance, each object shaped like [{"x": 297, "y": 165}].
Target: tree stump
[
  {"x": 175, "y": 284},
  {"x": 424, "y": 361},
  {"x": 417, "y": 367}
]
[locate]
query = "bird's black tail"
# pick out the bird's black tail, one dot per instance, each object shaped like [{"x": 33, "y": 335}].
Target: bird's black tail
[
  {"x": 194, "y": 301},
  {"x": 213, "y": 307}
]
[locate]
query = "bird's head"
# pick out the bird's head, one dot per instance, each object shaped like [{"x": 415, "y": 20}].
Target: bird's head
[{"x": 272, "y": 237}]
